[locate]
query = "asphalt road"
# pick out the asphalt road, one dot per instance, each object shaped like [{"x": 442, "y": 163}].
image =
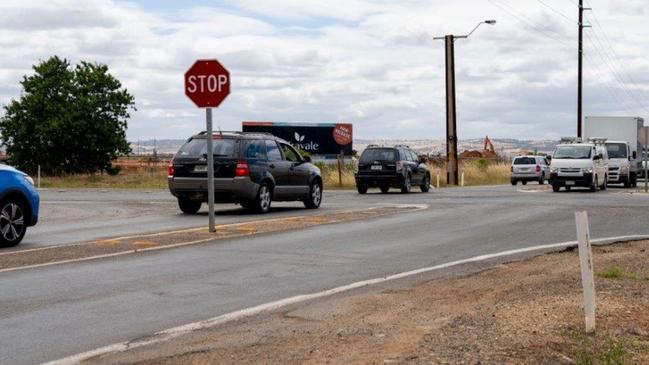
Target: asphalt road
[
  {"x": 53, "y": 312},
  {"x": 69, "y": 216}
]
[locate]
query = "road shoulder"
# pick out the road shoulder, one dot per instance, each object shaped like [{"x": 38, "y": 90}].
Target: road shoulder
[{"x": 521, "y": 312}]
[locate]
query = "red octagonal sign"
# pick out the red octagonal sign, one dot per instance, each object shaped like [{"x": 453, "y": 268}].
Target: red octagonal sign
[{"x": 207, "y": 83}]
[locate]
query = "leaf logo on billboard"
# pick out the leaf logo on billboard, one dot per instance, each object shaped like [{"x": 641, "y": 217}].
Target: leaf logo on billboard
[{"x": 299, "y": 138}]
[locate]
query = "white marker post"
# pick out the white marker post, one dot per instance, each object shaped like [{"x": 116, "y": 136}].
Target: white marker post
[
  {"x": 586, "y": 263},
  {"x": 437, "y": 179},
  {"x": 462, "y": 179}
]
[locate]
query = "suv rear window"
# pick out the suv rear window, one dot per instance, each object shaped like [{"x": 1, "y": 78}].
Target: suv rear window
[
  {"x": 525, "y": 161},
  {"x": 198, "y": 147},
  {"x": 378, "y": 154}
]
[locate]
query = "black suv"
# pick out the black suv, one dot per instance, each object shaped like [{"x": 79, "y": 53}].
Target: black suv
[
  {"x": 386, "y": 167},
  {"x": 251, "y": 169}
]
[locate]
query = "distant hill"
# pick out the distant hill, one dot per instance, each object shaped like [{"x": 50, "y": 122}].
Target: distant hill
[{"x": 506, "y": 147}]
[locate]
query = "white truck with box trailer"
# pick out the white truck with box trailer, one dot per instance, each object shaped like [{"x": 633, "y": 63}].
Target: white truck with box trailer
[{"x": 622, "y": 144}]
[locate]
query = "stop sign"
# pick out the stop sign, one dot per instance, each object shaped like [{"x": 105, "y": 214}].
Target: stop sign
[{"x": 207, "y": 83}]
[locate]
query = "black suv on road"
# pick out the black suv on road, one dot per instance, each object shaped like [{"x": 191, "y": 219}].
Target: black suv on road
[
  {"x": 251, "y": 169},
  {"x": 386, "y": 167}
]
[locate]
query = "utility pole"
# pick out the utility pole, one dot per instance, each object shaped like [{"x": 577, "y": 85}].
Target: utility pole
[
  {"x": 580, "y": 92},
  {"x": 451, "y": 122},
  {"x": 451, "y": 116}
]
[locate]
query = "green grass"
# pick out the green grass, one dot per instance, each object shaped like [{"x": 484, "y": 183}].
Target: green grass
[
  {"x": 599, "y": 349},
  {"x": 611, "y": 273},
  {"x": 618, "y": 273}
]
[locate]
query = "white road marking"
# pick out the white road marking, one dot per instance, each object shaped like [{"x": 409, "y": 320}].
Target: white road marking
[{"x": 174, "y": 332}]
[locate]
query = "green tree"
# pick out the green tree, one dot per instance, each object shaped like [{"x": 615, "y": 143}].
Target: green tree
[{"x": 68, "y": 120}]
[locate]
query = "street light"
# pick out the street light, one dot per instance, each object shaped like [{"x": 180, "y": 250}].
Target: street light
[{"x": 451, "y": 127}]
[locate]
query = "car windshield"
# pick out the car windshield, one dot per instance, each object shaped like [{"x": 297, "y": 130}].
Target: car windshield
[
  {"x": 198, "y": 147},
  {"x": 525, "y": 161},
  {"x": 616, "y": 150},
  {"x": 378, "y": 154},
  {"x": 572, "y": 152}
]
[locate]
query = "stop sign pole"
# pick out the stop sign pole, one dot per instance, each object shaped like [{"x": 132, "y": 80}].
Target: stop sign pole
[{"x": 207, "y": 84}]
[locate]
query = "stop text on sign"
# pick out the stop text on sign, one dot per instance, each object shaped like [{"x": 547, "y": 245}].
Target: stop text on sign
[{"x": 206, "y": 83}]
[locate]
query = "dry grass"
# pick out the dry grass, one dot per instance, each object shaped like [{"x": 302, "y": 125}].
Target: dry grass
[
  {"x": 155, "y": 177},
  {"x": 495, "y": 173},
  {"x": 333, "y": 180},
  {"x": 140, "y": 178}
]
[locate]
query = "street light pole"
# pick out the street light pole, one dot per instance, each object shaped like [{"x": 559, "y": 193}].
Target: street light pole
[
  {"x": 451, "y": 121},
  {"x": 451, "y": 116}
]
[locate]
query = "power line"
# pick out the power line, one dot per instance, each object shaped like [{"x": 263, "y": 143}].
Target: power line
[
  {"x": 616, "y": 75},
  {"x": 601, "y": 76},
  {"x": 605, "y": 59},
  {"x": 600, "y": 28},
  {"x": 557, "y": 12},
  {"x": 530, "y": 24}
]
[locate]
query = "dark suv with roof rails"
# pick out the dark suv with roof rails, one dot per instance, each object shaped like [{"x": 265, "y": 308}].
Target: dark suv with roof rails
[
  {"x": 385, "y": 167},
  {"x": 251, "y": 169}
]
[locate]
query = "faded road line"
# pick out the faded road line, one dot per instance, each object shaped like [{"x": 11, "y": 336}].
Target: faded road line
[{"x": 125, "y": 245}]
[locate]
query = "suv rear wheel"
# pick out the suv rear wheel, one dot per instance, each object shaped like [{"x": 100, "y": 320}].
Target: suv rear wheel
[
  {"x": 425, "y": 185},
  {"x": 406, "y": 186},
  {"x": 12, "y": 223},
  {"x": 189, "y": 206},
  {"x": 264, "y": 198},
  {"x": 315, "y": 196},
  {"x": 361, "y": 189}
]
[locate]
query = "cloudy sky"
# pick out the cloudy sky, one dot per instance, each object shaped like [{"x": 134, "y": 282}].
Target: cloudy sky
[{"x": 369, "y": 62}]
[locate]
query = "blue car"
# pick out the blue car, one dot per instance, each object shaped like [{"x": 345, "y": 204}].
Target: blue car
[{"x": 19, "y": 203}]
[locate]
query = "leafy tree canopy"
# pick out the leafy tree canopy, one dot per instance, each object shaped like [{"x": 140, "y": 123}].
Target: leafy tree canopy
[{"x": 67, "y": 120}]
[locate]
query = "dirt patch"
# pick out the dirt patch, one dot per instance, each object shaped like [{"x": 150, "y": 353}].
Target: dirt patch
[
  {"x": 149, "y": 242},
  {"x": 520, "y": 313}
]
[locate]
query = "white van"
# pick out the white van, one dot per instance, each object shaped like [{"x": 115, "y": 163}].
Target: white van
[
  {"x": 620, "y": 163},
  {"x": 576, "y": 163}
]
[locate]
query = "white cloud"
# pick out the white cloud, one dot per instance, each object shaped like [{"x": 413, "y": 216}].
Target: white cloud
[{"x": 369, "y": 62}]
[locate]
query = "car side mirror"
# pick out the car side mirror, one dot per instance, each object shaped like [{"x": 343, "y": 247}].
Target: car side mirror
[
  {"x": 307, "y": 158},
  {"x": 634, "y": 155},
  {"x": 422, "y": 159}
]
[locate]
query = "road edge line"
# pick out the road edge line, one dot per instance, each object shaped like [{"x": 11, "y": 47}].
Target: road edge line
[{"x": 174, "y": 332}]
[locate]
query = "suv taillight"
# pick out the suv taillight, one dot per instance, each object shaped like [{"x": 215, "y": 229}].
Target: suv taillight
[
  {"x": 538, "y": 168},
  {"x": 172, "y": 170},
  {"x": 242, "y": 169}
]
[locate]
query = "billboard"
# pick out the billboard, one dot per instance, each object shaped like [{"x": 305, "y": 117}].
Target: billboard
[{"x": 315, "y": 138}]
